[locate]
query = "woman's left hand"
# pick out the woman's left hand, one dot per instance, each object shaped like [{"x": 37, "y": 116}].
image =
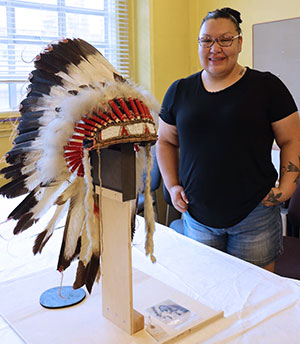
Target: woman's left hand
[{"x": 273, "y": 197}]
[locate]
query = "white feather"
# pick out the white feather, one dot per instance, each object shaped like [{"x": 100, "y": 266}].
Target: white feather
[
  {"x": 70, "y": 191},
  {"x": 85, "y": 247},
  {"x": 76, "y": 221},
  {"x": 46, "y": 197},
  {"x": 92, "y": 225},
  {"x": 85, "y": 72},
  {"x": 60, "y": 211}
]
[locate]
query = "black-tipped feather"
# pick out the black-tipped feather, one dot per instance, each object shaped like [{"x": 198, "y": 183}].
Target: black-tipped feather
[
  {"x": 25, "y": 222},
  {"x": 15, "y": 159},
  {"x": 30, "y": 101},
  {"x": 13, "y": 155},
  {"x": 92, "y": 269},
  {"x": 11, "y": 171},
  {"x": 85, "y": 48},
  {"x": 62, "y": 50},
  {"x": 25, "y": 137},
  {"x": 32, "y": 108},
  {"x": 38, "y": 90},
  {"x": 26, "y": 126},
  {"x": 14, "y": 188},
  {"x": 32, "y": 115},
  {"x": 25, "y": 206},
  {"x": 80, "y": 278},
  {"x": 42, "y": 77},
  {"x": 75, "y": 48},
  {"x": 21, "y": 145},
  {"x": 39, "y": 242},
  {"x": 87, "y": 275},
  {"x": 50, "y": 63},
  {"x": 64, "y": 263},
  {"x": 14, "y": 174}
]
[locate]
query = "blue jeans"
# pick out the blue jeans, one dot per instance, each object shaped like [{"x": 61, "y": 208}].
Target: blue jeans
[{"x": 256, "y": 239}]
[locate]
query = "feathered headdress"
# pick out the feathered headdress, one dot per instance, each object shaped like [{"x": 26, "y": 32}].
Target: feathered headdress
[{"x": 76, "y": 102}]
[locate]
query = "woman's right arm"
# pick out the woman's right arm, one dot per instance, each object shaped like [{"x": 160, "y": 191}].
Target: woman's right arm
[{"x": 167, "y": 155}]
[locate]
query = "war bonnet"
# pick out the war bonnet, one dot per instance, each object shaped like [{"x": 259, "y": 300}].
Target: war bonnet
[{"x": 76, "y": 102}]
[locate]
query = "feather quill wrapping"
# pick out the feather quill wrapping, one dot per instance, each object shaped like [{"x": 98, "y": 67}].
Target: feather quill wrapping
[{"x": 148, "y": 212}]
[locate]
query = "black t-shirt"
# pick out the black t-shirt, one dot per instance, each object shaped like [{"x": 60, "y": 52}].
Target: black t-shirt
[{"x": 225, "y": 141}]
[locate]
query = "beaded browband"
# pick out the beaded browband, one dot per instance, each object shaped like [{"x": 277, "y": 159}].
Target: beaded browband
[{"x": 119, "y": 121}]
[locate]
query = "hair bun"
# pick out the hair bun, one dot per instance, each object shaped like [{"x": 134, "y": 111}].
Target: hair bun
[{"x": 234, "y": 13}]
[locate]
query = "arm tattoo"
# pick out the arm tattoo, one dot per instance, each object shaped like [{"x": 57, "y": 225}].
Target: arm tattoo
[
  {"x": 282, "y": 170},
  {"x": 272, "y": 198},
  {"x": 293, "y": 168}
]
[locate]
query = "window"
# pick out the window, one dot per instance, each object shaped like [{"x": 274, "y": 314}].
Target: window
[{"x": 27, "y": 26}]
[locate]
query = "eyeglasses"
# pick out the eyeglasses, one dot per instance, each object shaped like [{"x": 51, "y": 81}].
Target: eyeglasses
[{"x": 223, "y": 41}]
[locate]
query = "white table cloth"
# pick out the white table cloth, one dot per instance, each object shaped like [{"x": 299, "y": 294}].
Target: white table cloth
[{"x": 259, "y": 306}]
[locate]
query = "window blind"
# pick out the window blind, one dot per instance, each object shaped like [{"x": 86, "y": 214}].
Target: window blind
[{"x": 27, "y": 26}]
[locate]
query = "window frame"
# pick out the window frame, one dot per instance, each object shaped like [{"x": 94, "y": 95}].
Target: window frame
[{"x": 115, "y": 48}]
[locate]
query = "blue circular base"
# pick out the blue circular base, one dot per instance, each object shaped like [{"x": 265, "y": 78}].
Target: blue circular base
[{"x": 69, "y": 297}]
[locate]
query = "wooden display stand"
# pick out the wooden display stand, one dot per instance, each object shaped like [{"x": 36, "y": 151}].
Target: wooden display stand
[
  {"x": 117, "y": 192},
  {"x": 117, "y": 303},
  {"x": 118, "y": 189}
]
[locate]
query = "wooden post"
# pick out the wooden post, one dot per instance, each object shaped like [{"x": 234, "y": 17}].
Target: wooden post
[{"x": 116, "y": 266}]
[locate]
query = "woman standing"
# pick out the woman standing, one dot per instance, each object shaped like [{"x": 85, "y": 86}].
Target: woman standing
[{"x": 223, "y": 120}]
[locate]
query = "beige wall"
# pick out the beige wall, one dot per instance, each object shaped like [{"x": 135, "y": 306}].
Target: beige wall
[
  {"x": 5, "y": 144},
  {"x": 253, "y": 12},
  {"x": 163, "y": 27},
  {"x": 172, "y": 30}
]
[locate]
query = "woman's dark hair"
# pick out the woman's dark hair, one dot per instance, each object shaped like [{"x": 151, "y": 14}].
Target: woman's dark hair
[{"x": 227, "y": 13}]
